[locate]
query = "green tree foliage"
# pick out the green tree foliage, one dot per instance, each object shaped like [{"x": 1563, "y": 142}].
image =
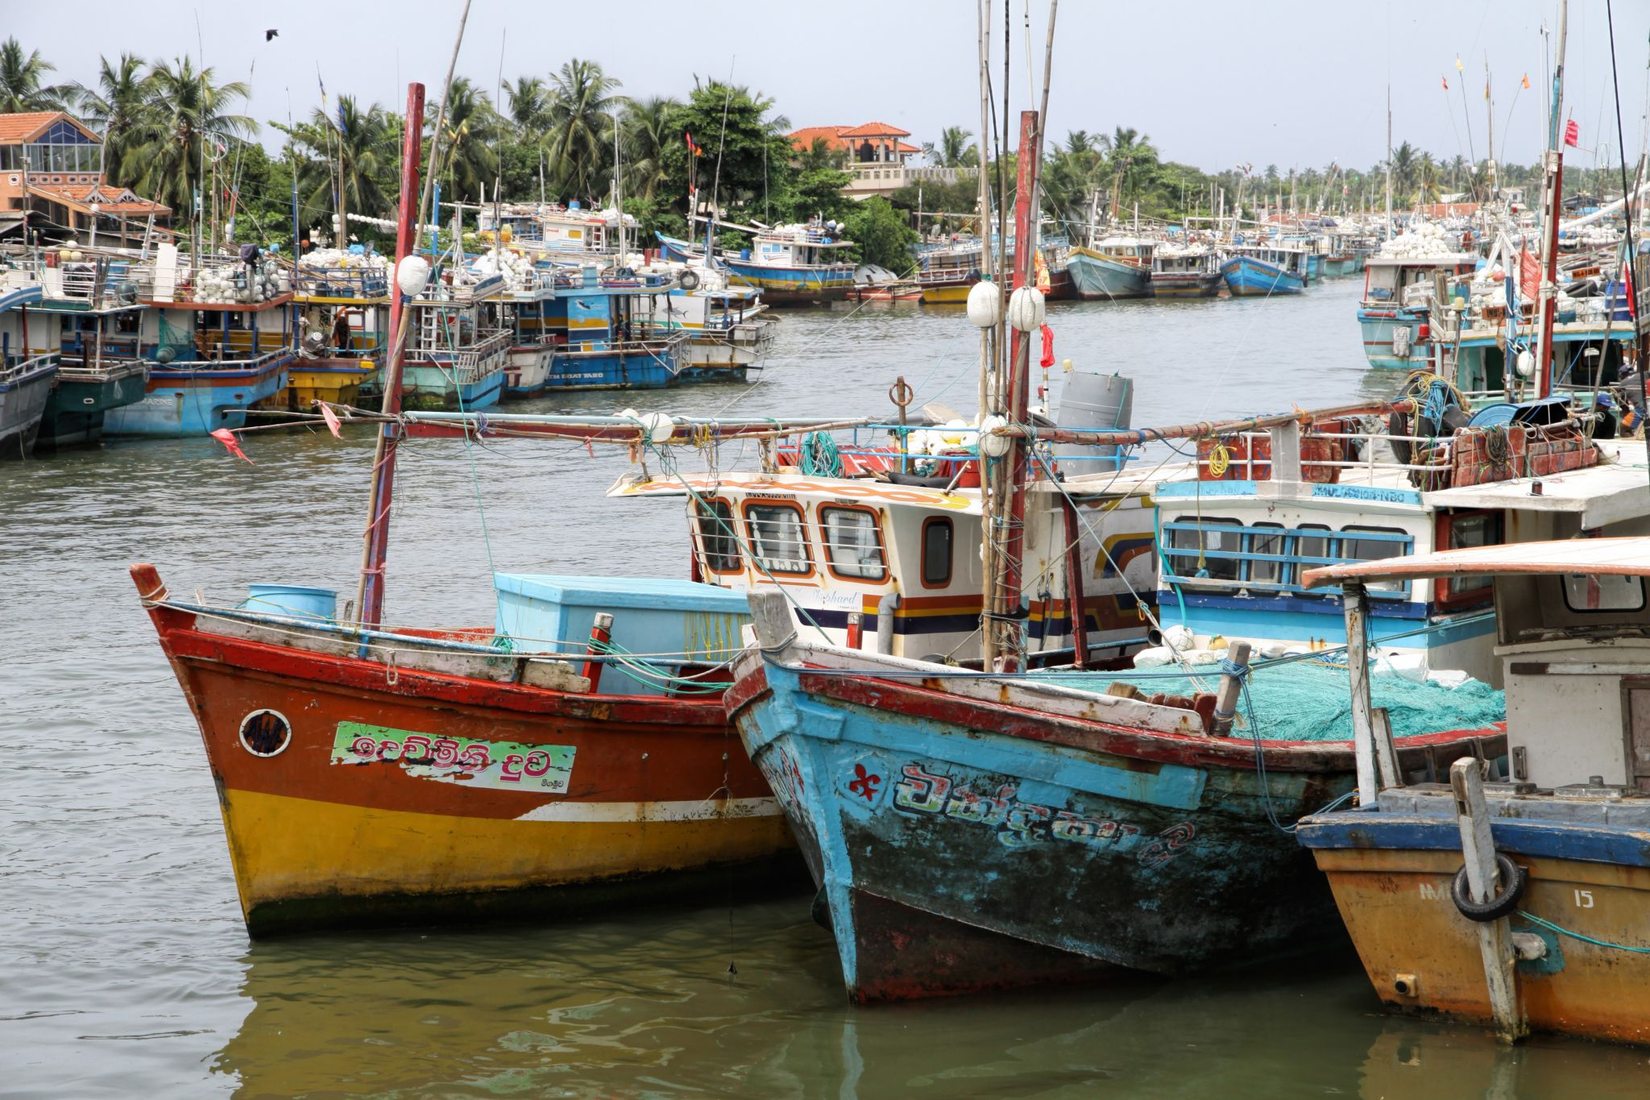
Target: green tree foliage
[
  {"x": 120, "y": 108},
  {"x": 357, "y": 149},
  {"x": 646, "y": 129},
  {"x": 471, "y": 133},
  {"x": 188, "y": 131},
  {"x": 746, "y": 161},
  {"x": 579, "y": 142},
  {"x": 882, "y": 235}
]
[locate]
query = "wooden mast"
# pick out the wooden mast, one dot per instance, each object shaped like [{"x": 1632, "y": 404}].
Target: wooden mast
[
  {"x": 1552, "y": 192},
  {"x": 1005, "y": 625},
  {"x": 371, "y": 592}
]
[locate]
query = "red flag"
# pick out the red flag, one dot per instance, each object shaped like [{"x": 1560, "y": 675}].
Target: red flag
[
  {"x": 1444, "y": 82},
  {"x": 227, "y": 438},
  {"x": 1525, "y": 83},
  {"x": 331, "y": 418},
  {"x": 1572, "y": 133},
  {"x": 1048, "y": 347},
  {"x": 1529, "y": 276}
]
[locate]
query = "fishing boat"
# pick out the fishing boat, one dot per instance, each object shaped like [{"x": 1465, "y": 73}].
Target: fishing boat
[
  {"x": 1186, "y": 271},
  {"x": 1112, "y": 267},
  {"x": 458, "y": 346},
  {"x": 342, "y": 299},
  {"x": 600, "y": 341},
  {"x": 1262, "y": 270},
  {"x": 553, "y": 233},
  {"x": 947, "y": 275},
  {"x": 101, "y": 367},
  {"x": 28, "y": 364},
  {"x": 574, "y": 751},
  {"x": 218, "y": 337},
  {"x": 1513, "y": 896},
  {"x": 1402, "y": 283},
  {"x": 795, "y": 264},
  {"x": 727, "y": 328}
]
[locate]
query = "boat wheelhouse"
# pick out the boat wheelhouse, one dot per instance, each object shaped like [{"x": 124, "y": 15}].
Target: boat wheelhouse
[
  {"x": 554, "y": 233},
  {"x": 795, "y": 265},
  {"x": 726, "y": 328},
  {"x": 1513, "y": 894},
  {"x": 457, "y": 345},
  {"x": 219, "y": 340},
  {"x": 946, "y": 275},
  {"x": 1186, "y": 271}
]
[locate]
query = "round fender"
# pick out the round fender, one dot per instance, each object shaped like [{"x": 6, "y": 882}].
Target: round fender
[
  {"x": 1513, "y": 879},
  {"x": 689, "y": 279}
]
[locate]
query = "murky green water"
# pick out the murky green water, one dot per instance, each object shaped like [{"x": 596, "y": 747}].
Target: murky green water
[{"x": 124, "y": 968}]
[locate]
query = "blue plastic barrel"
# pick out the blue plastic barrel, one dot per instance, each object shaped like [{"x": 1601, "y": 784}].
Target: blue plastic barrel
[{"x": 294, "y": 600}]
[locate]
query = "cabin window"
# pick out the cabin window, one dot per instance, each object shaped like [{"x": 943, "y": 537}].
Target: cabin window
[
  {"x": 1205, "y": 548},
  {"x": 1585, "y": 592},
  {"x": 779, "y": 543},
  {"x": 937, "y": 537},
  {"x": 1373, "y": 544},
  {"x": 1313, "y": 550},
  {"x": 1266, "y": 545},
  {"x": 853, "y": 543},
  {"x": 718, "y": 540},
  {"x": 1460, "y": 531}
]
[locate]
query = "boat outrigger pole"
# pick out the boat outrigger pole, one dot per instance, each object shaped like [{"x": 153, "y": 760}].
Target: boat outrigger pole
[
  {"x": 370, "y": 594},
  {"x": 1552, "y": 189}
]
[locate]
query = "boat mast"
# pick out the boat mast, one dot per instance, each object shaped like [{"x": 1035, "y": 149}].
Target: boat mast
[
  {"x": 1004, "y": 629},
  {"x": 1389, "y": 162},
  {"x": 1552, "y": 185},
  {"x": 370, "y": 595}
]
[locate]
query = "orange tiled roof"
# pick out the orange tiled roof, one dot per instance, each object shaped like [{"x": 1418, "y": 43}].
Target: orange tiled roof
[
  {"x": 113, "y": 200},
  {"x": 905, "y": 148},
  {"x": 876, "y": 129},
  {"x": 804, "y": 138},
  {"x": 18, "y": 128}
]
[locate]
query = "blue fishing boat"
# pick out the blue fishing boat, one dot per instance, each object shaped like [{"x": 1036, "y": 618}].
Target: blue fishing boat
[
  {"x": 600, "y": 338},
  {"x": 1262, "y": 270},
  {"x": 1513, "y": 895},
  {"x": 1112, "y": 268},
  {"x": 795, "y": 265},
  {"x": 218, "y": 337},
  {"x": 28, "y": 364}
]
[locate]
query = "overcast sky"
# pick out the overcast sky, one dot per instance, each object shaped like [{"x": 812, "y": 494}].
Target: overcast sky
[{"x": 1296, "y": 83}]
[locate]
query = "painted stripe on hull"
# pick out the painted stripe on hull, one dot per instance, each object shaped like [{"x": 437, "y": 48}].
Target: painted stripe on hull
[{"x": 183, "y": 403}]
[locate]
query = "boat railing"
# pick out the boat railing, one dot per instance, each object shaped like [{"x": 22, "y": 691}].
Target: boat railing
[
  {"x": 659, "y": 345},
  {"x": 226, "y": 357},
  {"x": 470, "y": 362},
  {"x": 14, "y": 368},
  {"x": 342, "y": 281},
  {"x": 1269, "y": 559}
]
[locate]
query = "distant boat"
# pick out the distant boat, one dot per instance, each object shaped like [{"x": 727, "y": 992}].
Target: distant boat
[
  {"x": 343, "y": 302},
  {"x": 93, "y": 302},
  {"x": 457, "y": 346},
  {"x": 1397, "y": 304},
  {"x": 792, "y": 265},
  {"x": 946, "y": 275},
  {"x": 1262, "y": 270},
  {"x": 1115, "y": 267},
  {"x": 1191, "y": 271},
  {"x": 28, "y": 363}
]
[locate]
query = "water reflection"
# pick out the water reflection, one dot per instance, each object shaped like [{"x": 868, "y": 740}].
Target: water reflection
[{"x": 1421, "y": 1059}]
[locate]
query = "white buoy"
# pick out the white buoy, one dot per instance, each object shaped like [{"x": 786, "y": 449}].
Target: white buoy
[
  {"x": 412, "y": 274},
  {"x": 1026, "y": 309},
  {"x": 985, "y": 304},
  {"x": 992, "y": 442}
]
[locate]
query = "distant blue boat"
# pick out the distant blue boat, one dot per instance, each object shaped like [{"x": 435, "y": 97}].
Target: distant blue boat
[
  {"x": 1118, "y": 267},
  {"x": 1265, "y": 270}
]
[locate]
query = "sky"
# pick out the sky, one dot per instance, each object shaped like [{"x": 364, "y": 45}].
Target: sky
[{"x": 1212, "y": 83}]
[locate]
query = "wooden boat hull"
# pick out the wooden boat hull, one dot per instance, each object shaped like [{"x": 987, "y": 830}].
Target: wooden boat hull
[
  {"x": 953, "y": 293},
  {"x": 1392, "y": 874},
  {"x": 793, "y": 285},
  {"x": 1097, "y": 278},
  {"x": 435, "y": 786},
  {"x": 1187, "y": 285},
  {"x": 24, "y": 394},
  {"x": 81, "y": 400},
  {"x": 1247, "y": 277},
  {"x": 970, "y": 843},
  {"x": 338, "y": 381},
  {"x": 430, "y": 387}
]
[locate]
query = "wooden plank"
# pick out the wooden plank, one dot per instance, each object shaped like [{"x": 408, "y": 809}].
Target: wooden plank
[
  {"x": 1355, "y": 605},
  {"x": 1495, "y": 944}
]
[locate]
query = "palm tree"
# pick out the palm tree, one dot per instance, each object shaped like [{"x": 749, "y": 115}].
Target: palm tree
[
  {"x": 352, "y": 148},
  {"x": 529, "y": 106},
  {"x": 1132, "y": 158},
  {"x": 1426, "y": 175},
  {"x": 1404, "y": 161},
  {"x": 20, "y": 81},
  {"x": 646, "y": 129},
  {"x": 186, "y": 125},
  {"x": 469, "y": 154},
  {"x": 953, "y": 150},
  {"x": 582, "y": 109},
  {"x": 120, "y": 108}
]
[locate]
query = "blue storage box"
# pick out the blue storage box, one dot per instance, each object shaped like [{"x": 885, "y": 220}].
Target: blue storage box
[{"x": 670, "y": 621}]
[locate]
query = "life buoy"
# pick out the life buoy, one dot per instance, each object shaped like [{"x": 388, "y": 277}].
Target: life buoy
[
  {"x": 1512, "y": 879},
  {"x": 1400, "y": 341},
  {"x": 689, "y": 279}
]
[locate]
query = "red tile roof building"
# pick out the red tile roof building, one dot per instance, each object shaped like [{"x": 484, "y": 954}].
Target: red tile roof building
[{"x": 51, "y": 181}]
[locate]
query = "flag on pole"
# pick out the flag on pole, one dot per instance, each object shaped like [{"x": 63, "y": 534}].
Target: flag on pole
[
  {"x": 1444, "y": 82},
  {"x": 693, "y": 146},
  {"x": 231, "y": 444},
  {"x": 1460, "y": 68},
  {"x": 1572, "y": 133},
  {"x": 1486, "y": 89},
  {"x": 1525, "y": 83}
]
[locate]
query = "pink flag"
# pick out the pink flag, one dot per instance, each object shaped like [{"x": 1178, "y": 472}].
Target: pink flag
[
  {"x": 1572, "y": 133},
  {"x": 332, "y": 420},
  {"x": 231, "y": 444}
]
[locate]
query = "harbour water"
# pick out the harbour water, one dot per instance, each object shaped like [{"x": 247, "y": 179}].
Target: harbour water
[{"x": 124, "y": 966}]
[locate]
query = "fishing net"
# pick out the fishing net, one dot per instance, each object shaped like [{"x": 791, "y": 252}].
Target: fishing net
[{"x": 1311, "y": 700}]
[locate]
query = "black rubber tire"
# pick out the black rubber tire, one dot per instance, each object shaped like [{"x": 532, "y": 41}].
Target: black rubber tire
[
  {"x": 689, "y": 280},
  {"x": 1513, "y": 879},
  {"x": 1396, "y": 425}
]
